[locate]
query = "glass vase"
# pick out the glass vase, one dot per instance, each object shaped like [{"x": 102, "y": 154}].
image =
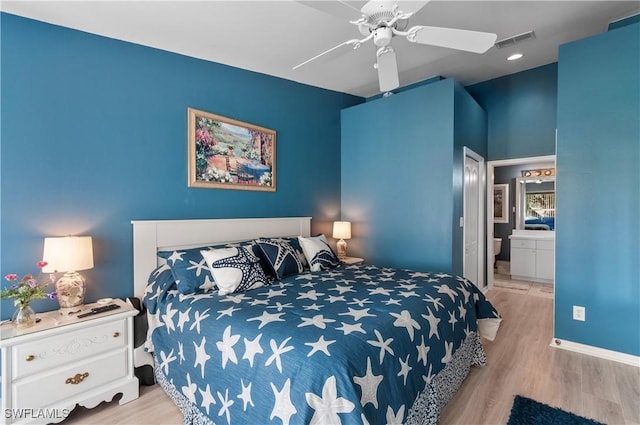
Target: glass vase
[{"x": 24, "y": 317}]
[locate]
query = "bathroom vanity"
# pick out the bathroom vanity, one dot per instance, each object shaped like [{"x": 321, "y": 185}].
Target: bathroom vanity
[{"x": 533, "y": 255}]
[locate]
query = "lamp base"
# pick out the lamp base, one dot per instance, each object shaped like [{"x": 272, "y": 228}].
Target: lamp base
[
  {"x": 70, "y": 290},
  {"x": 342, "y": 249}
]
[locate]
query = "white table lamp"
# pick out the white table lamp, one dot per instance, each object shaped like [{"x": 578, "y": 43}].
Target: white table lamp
[
  {"x": 68, "y": 255},
  {"x": 342, "y": 231}
]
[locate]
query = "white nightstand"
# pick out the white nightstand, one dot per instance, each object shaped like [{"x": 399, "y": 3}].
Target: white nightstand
[
  {"x": 352, "y": 260},
  {"x": 63, "y": 361}
]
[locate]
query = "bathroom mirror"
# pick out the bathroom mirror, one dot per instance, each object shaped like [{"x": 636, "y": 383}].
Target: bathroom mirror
[{"x": 535, "y": 203}]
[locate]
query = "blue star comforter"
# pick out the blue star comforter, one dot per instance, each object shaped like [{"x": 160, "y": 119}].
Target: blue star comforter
[{"x": 354, "y": 345}]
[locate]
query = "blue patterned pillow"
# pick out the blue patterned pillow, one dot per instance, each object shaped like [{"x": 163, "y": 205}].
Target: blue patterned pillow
[
  {"x": 190, "y": 269},
  {"x": 281, "y": 256},
  {"x": 318, "y": 252},
  {"x": 235, "y": 269}
]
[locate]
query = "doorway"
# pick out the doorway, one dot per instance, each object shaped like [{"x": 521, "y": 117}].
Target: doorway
[{"x": 491, "y": 165}]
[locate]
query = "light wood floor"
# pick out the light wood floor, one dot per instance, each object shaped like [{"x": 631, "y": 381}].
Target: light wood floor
[{"x": 520, "y": 361}]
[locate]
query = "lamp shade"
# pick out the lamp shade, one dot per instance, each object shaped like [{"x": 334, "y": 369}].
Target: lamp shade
[
  {"x": 342, "y": 229},
  {"x": 67, "y": 254}
]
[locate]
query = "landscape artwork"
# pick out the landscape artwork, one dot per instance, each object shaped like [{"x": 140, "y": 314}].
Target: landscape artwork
[{"x": 225, "y": 153}]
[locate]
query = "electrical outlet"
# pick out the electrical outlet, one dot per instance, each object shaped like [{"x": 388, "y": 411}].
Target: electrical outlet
[{"x": 579, "y": 313}]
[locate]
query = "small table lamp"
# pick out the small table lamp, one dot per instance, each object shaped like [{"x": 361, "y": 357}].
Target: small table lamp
[
  {"x": 68, "y": 255},
  {"x": 342, "y": 231}
]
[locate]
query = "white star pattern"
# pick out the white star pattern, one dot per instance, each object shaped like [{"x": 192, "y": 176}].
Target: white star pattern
[
  {"x": 329, "y": 405},
  {"x": 318, "y": 321},
  {"x": 404, "y": 369},
  {"x": 251, "y": 348},
  {"x": 277, "y": 352},
  {"x": 404, "y": 320},
  {"x": 226, "y": 404},
  {"x": 199, "y": 267},
  {"x": 245, "y": 395},
  {"x": 319, "y": 345},
  {"x": 369, "y": 386},
  {"x": 267, "y": 318},
  {"x": 175, "y": 256},
  {"x": 226, "y": 347},
  {"x": 423, "y": 350},
  {"x": 383, "y": 344},
  {"x": 358, "y": 314},
  {"x": 305, "y": 324},
  {"x": 283, "y": 408},
  {"x": 199, "y": 317},
  {"x": 201, "y": 355},
  {"x": 433, "y": 323},
  {"x": 349, "y": 328},
  {"x": 207, "y": 398}
]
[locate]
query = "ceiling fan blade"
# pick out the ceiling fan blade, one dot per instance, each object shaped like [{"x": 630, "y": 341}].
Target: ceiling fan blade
[
  {"x": 341, "y": 9},
  {"x": 411, "y": 6},
  {"x": 354, "y": 42},
  {"x": 470, "y": 41},
  {"x": 387, "y": 69}
]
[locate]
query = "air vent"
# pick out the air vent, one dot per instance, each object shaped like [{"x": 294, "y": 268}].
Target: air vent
[{"x": 515, "y": 39}]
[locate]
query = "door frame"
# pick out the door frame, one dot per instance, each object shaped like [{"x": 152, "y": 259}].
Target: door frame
[
  {"x": 482, "y": 177},
  {"x": 490, "y": 174}
]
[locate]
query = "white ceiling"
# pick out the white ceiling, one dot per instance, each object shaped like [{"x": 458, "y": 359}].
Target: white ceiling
[{"x": 271, "y": 37}]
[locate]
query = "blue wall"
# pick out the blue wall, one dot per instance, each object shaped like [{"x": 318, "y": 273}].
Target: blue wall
[
  {"x": 598, "y": 183},
  {"x": 521, "y": 110},
  {"x": 94, "y": 135},
  {"x": 402, "y": 174}
]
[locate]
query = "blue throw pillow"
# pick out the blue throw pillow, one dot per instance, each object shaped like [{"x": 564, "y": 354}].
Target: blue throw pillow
[{"x": 281, "y": 256}]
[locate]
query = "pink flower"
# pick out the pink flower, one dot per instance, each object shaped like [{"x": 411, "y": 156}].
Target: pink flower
[
  {"x": 41, "y": 264},
  {"x": 11, "y": 277},
  {"x": 32, "y": 283}
]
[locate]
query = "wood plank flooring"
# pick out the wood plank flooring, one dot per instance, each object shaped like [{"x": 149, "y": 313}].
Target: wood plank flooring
[{"x": 520, "y": 361}]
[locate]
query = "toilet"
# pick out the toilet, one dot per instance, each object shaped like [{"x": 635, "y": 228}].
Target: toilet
[{"x": 497, "y": 246}]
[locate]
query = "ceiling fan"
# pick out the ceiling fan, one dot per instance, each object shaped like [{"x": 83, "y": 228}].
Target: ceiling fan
[{"x": 384, "y": 19}]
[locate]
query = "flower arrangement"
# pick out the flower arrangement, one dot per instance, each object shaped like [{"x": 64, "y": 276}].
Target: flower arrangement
[
  {"x": 27, "y": 289},
  {"x": 213, "y": 174},
  {"x": 265, "y": 179}
]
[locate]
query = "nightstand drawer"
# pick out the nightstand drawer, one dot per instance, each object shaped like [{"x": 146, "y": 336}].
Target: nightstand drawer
[
  {"x": 48, "y": 389},
  {"x": 67, "y": 348}
]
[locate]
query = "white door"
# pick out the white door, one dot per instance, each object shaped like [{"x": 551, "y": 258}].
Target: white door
[{"x": 473, "y": 218}]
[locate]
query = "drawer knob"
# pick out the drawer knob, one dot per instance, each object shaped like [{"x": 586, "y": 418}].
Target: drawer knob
[
  {"x": 79, "y": 377},
  {"x": 30, "y": 357},
  {"x": 116, "y": 334}
]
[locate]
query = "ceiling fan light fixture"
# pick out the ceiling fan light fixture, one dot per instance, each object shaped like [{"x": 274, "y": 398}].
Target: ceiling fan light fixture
[{"x": 515, "y": 56}]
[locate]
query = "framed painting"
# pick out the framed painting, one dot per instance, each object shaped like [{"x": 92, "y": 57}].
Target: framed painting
[
  {"x": 223, "y": 153},
  {"x": 500, "y": 203}
]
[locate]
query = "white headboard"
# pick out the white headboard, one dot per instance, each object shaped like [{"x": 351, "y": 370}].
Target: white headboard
[{"x": 151, "y": 236}]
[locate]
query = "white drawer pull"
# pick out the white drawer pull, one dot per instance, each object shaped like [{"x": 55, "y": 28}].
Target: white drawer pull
[
  {"x": 79, "y": 377},
  {"x": 30, "y": 357},
  {"x": 116, "y": 334}
]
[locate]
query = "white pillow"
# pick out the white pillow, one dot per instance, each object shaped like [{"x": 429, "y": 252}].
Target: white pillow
[
  {"x": 234, "y": 269},
  {"x": 318, "y": 252}
]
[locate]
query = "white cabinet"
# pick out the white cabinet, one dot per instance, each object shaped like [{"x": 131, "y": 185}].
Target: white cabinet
[
  {"x": 63, "y": 361},
  {"x": 532, "y": 259}
]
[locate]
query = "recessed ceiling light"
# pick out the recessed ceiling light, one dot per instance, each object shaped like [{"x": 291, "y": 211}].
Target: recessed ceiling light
[{"x": 515, "y": 57}]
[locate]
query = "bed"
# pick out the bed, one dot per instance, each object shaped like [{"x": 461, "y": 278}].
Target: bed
[{"x": 351, "y": 344}]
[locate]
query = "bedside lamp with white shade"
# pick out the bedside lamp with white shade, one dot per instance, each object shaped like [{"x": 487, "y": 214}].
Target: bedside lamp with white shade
[
  {"x": 342, "y": 231},
  {"x": 69, "y": 255}
]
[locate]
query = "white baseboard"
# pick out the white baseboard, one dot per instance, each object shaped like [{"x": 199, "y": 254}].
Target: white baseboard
[{"x": 596, "y": 352}]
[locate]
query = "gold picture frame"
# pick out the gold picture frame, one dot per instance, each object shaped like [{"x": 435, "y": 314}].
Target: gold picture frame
[{"x": 224, "y": 153}]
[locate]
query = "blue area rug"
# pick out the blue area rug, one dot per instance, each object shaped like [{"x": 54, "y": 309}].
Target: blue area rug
[{"x": 526, "y": 411}]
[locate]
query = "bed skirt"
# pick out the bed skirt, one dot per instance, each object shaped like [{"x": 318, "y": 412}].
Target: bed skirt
[{"x": 426, "y": 408}]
